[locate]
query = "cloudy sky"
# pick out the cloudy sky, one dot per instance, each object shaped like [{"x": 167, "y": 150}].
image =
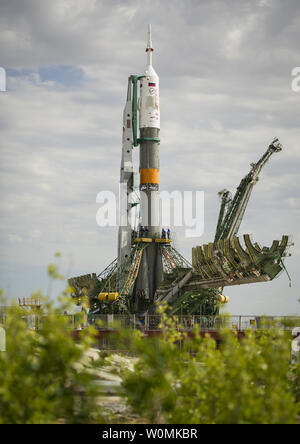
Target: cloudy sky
[{"x": 225, "y": 78}]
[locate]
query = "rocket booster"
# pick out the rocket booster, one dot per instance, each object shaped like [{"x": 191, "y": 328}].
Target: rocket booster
[
  {"x": 126, "y": 178},
  {"x": 149, "y": 123}
]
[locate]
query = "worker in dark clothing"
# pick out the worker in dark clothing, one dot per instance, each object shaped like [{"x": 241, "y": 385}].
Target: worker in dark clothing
[
  {"x": 163, "y": 233},
  {"x": 146, "y": 231},
  {"x": 169, "y": 233}
]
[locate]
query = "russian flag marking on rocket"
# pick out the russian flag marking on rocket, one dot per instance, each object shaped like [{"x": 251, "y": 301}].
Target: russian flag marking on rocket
[{"x": 151, "y": 84}]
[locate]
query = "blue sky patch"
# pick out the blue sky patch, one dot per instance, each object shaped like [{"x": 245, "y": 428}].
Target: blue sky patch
[{"x": 65, "y": 76}]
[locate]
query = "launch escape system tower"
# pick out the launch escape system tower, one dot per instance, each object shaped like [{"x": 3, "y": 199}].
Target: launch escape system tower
[{"x": 148, "y": 269}]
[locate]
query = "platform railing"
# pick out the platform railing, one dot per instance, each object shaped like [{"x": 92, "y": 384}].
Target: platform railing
[
  {"x": 189, "y": 322},
  {"x": 153, "y": 322}
]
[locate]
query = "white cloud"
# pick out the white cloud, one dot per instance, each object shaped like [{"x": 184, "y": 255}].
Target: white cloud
[{"x": 224, "y": 69}]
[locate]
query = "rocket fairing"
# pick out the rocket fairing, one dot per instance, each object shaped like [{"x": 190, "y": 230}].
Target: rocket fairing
[{"x": 149, "y": 92}]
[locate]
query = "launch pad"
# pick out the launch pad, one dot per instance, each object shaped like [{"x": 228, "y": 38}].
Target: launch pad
[{"x": 149, "y": 270}]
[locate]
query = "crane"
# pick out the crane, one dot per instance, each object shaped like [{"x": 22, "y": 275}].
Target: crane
[{"x": 232, "y": 210}]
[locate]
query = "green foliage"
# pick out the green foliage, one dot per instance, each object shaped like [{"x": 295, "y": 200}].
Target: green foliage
[
  {"x": 42, "y": 379},
  {"x": 53, "y": 272},
  {"x": 44, "y": 373},
  {"x": 294, "y": 378},
  {"x": 45, "y": 376},
  {"x": 240, "y": 382}
]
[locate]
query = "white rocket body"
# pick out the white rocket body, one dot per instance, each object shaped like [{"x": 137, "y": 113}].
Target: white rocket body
[
  {"x": 150, "y": 271},
  {"x": 149, "y": 100}
]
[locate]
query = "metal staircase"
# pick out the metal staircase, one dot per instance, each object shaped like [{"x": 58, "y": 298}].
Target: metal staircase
[{"x": 134, "y": 269}]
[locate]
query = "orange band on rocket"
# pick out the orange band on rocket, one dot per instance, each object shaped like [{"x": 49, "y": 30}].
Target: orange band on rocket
[{"x": 149, "y": 175}]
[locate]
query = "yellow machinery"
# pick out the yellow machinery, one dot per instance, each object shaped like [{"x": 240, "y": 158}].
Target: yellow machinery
[
  {"x": 142, "y": 239},
  {"x": 108, "y": 296},
  {"x": 222, "y": 298}
]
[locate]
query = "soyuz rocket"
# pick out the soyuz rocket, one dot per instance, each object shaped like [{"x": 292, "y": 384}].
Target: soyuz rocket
[
  {"x": 149, "y": 113},
  {"x": 142, "y": 99}
]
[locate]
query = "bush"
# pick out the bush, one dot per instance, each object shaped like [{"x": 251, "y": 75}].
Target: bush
[
  {"x": 240, "y": 382},
  {"x": 43, "y": 374}
]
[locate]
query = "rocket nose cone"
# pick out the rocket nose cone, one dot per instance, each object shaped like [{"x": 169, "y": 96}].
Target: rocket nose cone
[{"x": 150, "y": 71}]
